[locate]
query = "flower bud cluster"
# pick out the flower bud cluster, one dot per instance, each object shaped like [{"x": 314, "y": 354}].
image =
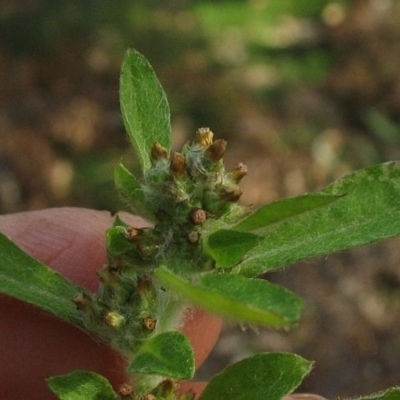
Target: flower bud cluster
[{"x": 195, "y": 179}]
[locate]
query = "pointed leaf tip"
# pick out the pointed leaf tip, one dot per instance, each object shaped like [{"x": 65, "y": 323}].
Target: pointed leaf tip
[{"x": 144, "y": 107}]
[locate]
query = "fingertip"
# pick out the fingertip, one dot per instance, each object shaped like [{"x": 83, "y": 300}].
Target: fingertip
[
  {"x": 203, "y": 330},
  {"x": 70, "y": 240}
]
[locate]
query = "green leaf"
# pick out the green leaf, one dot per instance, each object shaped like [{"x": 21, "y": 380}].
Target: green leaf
[
  {"x": 130, "y": 190},
  {"x": 27, "y": 279},
  {"x": 389, "y": 394},
  {"x": 81, "y": 385},
  {"x": 234, "y": 297},
  {"x": 268, "y": 376},
  {"x": 116, "y": 242},
  {"x": 144, "y": 107},
  {"x": 228, "y": 247},
  {"x": 280, "y": 210},
  {"x": 168, "y": 354},
  {"x": 368, "y": 211}
]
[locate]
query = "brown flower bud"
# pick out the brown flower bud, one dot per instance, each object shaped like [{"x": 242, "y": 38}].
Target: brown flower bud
[
  {"x": 204, "y": 137},
  {"x": 178, "y": 165},
  {"x": 198, "y": 216},
  {"x": 217, "y": 150},
  {"x": 238, "y": 172},
  {"x": 125, "y": 390},
  {"x": 131, "y": 233},
  {"x": 158, "y": 152},
  {"x": 149, "y": 323}
]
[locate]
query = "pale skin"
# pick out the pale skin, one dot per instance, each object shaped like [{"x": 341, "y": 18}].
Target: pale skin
[{"x": 35, "y": 345}]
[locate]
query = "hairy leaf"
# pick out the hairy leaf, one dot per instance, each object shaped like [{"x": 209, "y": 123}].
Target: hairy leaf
[
  {"x": 144, "y": 107},
  {"x": 81, "y": 385},
  {"x": 368, "y": 211},
  {"x": 389, "y": 394},
  {"x": 168, "y": 354},
  {"x": 268, "y": 376},
  {"x": 130, "y": 190},
  {"x": 280, "y": 210},
  {"x": 228, "y": 247},
  {"x": 27, "y": 279},
  {"x": 234, "y": 297}
]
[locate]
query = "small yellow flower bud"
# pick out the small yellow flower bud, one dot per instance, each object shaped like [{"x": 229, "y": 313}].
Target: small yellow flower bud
[
  {"x": 204, "y": 137},
  {"x": 114, "y": 319},
  {"x": 125, "y": 390}
]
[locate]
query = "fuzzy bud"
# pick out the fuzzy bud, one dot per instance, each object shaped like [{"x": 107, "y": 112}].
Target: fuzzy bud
[
  {"x": 238, "y": 172},
  {"x": 149, "y": 323},
  {"x": 114, "y": 319},
  {"x": 131, "y": 233},
  {"x": 217, "y": 150},
  {"x": 125, "y": 390},
  {"x": 198, "y": 216},
  {"x": 148, "y": 397},
  {"x": 194, "y": 237},
  {"x": 204, "y": 137},
  {"x": 158, "y": 152},
  {"x": 178, "y": 165}
]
